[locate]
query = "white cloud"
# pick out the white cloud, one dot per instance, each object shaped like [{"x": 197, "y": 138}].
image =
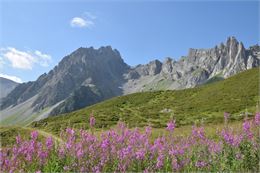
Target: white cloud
[
  {"x": 19, "y": 59},
  {"x": 87, "y": 21},
  {"x": 2, "y": 62},
  {"x": 24, "y": 59},
  {"x": 80, "y": 22},
  {"x": 13, "y": 78},
  {"x": 89, "y": 15},
  {"x": 43, "y": 59}
]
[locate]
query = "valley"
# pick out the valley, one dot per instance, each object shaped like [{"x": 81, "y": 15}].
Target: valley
[{"x": 205, "y": 103}]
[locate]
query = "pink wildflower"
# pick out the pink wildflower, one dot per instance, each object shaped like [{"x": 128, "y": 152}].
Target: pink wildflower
[
  {"x": 171, "y": 126},
  {"x": 226, "y": 116},
  {"x": 233, "y": 140},
  {"x": 246, "y": 128},
  {"x": 198, "y": 132},
  {"x": 18, "y": 139},
  {"x": 49, "y": 143},
  {"x": 200, "y": 164},
  {"x": 160, "y": 161},
  {"x": 61, "y": 152},
  {"x": 70, "y": 131},
  {"x": 34, "y": 135},
  {"x": 105, "y": 144},
  {"x": 257, "y": 118},
  {"x": 92, "y": 120},
  {"x": 148, "y": 130},
  {"x": 140, "y": 154}
]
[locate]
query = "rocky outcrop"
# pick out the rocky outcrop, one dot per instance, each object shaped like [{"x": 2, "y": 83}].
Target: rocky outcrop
[
  {"x": 89, "y": 75},
  {"x": 198, "y": 67},
  {"x": 6, "y": 86},
  {"x": 99, "y": 69}
]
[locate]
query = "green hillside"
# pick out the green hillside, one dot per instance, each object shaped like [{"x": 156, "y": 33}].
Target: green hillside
[
  {"x": 8, "y": 134},
  {"x": 205, "y": 104}
]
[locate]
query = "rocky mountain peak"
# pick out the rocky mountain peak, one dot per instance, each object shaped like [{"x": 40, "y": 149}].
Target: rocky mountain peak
[
  {"x": 232, "y": 46},
  {"x": 155, "y": 67},
  {"x": 6, "y": 86},
  {"x": 105, "y": 48},
  {"x": 255, "y": 48},
  {"x": 199, "y": 66},
  {"x": 168, "y": 60},
  {"x": 90, "y": 75},
  {"x": 231, "y": 41},
  {"x": 104, "y": 66},
  {"x": 167, "y": 65}
]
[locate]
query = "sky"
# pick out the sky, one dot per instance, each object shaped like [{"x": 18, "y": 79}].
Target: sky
[{"x": 36, "y": 35}]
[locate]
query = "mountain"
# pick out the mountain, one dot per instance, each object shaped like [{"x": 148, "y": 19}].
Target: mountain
[
  {"x": 93, "y": 73},
  {"x": 6, "y": 86},
  {"x": 198, "y": 67},
  {"x": 205, "y": 103},
  {"x": 89, "y": 75}
]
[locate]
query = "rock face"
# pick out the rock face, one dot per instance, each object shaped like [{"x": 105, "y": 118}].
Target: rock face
[
  {"x": 96, "y": 73},
  {"x": 6, "y": 86},
  {"x": 89, "y": 75},
  {"x": 198, "y": 67}
]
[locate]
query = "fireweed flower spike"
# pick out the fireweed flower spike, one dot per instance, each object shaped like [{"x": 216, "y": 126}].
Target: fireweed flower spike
[
  {"x": 246, "y": 129},
  {"x": 200, "y": 164},
  {"x": 49, "y": 143},
  {"x": 34, "y": 135},
  {"x": 198, "y": 132},
  {"x": 92, "y": 120},
  {"x": 226, "y": 117},
  {"x": 246, "y": 126},
  {"x": 133, "y": 150},
  {"x": 18, "y": 139},
  {"x": 257, "y": 119},
  {"x": 171, "y": 126}
]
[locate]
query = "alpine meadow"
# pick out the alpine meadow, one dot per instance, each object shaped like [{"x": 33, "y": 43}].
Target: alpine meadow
[{"x": 127, "y": 86}]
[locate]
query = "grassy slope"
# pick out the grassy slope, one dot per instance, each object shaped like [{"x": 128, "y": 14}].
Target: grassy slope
[
  {"x": 205, "y": 103},
  {"x": 16, "y": 119},
  {"x": 8, "y": 134}
]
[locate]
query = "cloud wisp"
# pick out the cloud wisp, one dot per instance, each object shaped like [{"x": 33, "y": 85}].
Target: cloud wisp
[
  {"x": 86, "y": 21},
  {"x": 2, "y": 62},
  {"x": 13, "y": 78},
  {"x": 24, "y": 59}
]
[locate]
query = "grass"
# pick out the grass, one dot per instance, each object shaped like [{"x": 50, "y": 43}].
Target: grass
[
  {"x": 8, "y": 133},
  {"x": 137, "y": 151},
  {"x": 202, "y": 104},
  {"x": 18, "y": 120},
  {"x": 218, "y": 77},
  {"x": 184, "y": 131},
  {"x": 160, "y": 85}
]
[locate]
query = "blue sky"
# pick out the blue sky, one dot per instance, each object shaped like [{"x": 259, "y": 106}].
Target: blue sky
[{"x": 35, "y": 36}]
